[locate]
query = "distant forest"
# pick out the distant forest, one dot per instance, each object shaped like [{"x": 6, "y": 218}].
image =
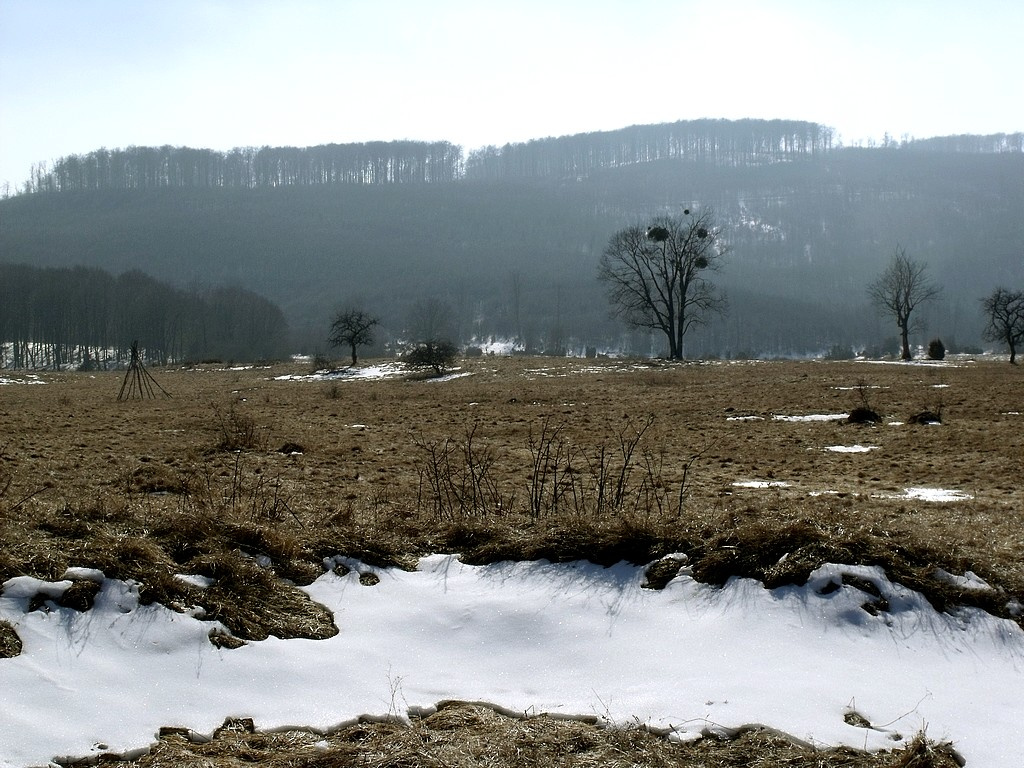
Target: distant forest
[
  {"x": 506, "y": 240},
  {"x": 719, "y": 142},
  {"x": 84, "y": 317}
]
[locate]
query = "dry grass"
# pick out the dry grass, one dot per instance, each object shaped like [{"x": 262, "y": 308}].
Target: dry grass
[
  {"x": 252, "y": 481},
  {"x": 525, "y": 458},
  {"x": 463, "y": 735}
]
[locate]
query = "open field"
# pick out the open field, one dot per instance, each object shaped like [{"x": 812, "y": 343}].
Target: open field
[{"x": 748, "y": 468}]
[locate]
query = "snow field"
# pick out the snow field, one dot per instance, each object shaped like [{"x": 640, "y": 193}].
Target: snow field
[{"x": 569, "y": 639}]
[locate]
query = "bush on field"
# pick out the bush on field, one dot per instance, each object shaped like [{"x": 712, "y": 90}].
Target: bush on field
[{"x": 437, "y": 355}]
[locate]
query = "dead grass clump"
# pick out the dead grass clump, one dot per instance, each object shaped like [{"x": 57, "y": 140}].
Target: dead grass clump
[
  {"x": 80, "y": 596},
  {"x": 782, "y": 552},
  {"x": 253, "y": 603},
  {"x": 398, "y": 542},
  {"x": 10, "y": 643},
  {"x": 601, "y": 540},
  {"x": 288, "y": 555},
  {"x": 122, "y": 556},
  {"x": 84, "y": 520},
  {"x": 237, "y": 431},
  {"x": 251, "y": 599},
  {"x": 752, "y": 549},
  {"x": 924, "y": 753},
  {"x": 661, "y": 572},
  {"x": 188, "y": 533},
  {"x": 464, "y": 735},
  {"x": 150, "y": 477}
]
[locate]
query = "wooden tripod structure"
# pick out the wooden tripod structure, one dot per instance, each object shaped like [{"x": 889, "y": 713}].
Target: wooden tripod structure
[{"x": 138, "y": 382}]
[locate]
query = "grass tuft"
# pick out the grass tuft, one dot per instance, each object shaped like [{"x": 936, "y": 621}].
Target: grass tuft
[{"x": 10, "y": 643}]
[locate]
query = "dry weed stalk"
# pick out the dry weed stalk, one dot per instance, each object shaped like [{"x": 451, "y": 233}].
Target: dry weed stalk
[
  {"x": 459, "y": 479},
  {"x": 238, "y": 431}
]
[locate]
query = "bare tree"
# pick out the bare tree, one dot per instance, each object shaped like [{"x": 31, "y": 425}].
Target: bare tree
[
  {"x": 432, "y": 319},
  {"x": 655, "y": 275},
  {"x": 352, "y": 328},
  {"x": 1004, "y": 313},
  {"x": 901, "y": 288}
]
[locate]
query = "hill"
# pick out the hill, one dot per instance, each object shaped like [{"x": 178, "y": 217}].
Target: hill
[{"x": 508, "y": 238}]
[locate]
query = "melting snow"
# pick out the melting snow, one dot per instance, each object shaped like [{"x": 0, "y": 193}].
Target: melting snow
[
  {"x": 570, "y": 639},
  {"x": 813, "y": 417},
  {"x": 929, "y": 494},
  {"x": 380, "y": 371},
  {"x": 29, "y": 378}
]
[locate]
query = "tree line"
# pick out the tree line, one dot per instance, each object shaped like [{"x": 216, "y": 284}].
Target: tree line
[
  {"x": 719, "y": 142},
  {"x": 85, "y": 317},
  {"x": 136, "y": 168},
  {"x": 992, "y": 143},
  {"x": 722, "y": 143}
]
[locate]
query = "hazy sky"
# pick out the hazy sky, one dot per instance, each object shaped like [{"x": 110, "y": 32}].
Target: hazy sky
[{"x": 76, "y": 75}]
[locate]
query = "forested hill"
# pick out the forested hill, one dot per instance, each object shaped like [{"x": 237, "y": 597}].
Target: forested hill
[
  {"x": 721, "y": 142},
  {"x": 506, "y": 240}
]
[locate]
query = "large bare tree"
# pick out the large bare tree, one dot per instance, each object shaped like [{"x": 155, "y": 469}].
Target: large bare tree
[
  {"x": 352, "y": 328},
  {"x": 899, "y": 290},
  {"x": 1004, "y": 315},
  {"x": 655, "y": 275}
]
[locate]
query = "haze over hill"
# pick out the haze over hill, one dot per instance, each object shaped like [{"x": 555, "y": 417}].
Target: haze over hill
[{"x": 504, "y": 242}]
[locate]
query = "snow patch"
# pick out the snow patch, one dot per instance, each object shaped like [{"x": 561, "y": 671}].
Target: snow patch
[
  {"x": 969, "y": 580},
  {"x": 928, "y": 494},
  {"x": 29, "y": 378},
  {"x": 813, "y": 417}
]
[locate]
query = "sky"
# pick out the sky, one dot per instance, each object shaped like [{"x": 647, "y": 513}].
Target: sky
[{"x": 76, "y": 76}]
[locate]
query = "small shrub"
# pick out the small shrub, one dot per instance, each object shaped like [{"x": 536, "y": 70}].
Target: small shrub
[
  {"x": 863, "y": 415},
  {"x": 936, "y": 350},
  {"x": 437, "y": 355},
  {"x": 926, "y": 417}
]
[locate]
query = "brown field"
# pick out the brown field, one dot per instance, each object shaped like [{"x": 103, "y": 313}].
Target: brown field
[{"x": 521, "y": 458}]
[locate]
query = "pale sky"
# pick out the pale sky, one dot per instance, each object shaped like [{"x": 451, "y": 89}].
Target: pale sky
[{"x": 77, "y": 75}]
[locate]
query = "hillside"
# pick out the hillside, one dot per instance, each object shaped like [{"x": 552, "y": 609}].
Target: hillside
[{"x": 509, "y": 237}]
